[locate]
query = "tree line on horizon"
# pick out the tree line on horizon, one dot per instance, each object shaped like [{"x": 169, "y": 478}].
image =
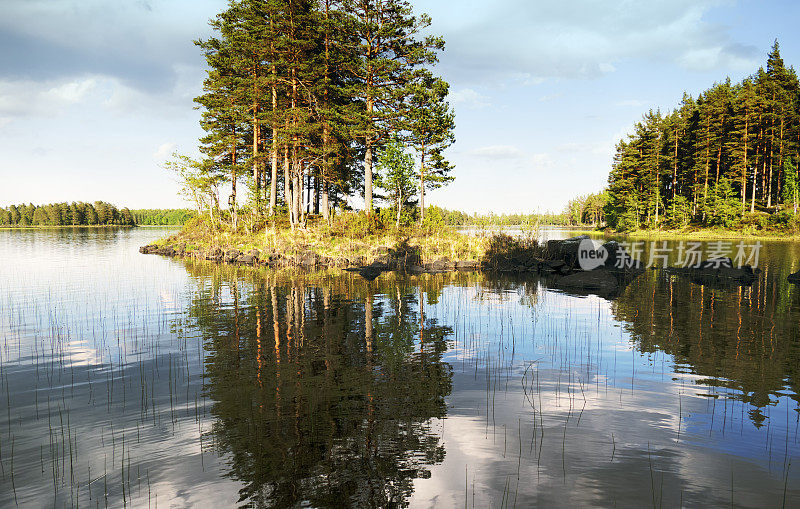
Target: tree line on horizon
[
  {"x": 162, "y": 217},
  {"x": 98, "y": 213},
  {"x": 304, "y": 102},
  {"x": 726, "y": 158}
]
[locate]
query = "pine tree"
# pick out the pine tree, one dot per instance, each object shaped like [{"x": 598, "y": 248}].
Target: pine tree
[
  {"x": 430, "y": 123},
  {"x": 387, "y": 52}
]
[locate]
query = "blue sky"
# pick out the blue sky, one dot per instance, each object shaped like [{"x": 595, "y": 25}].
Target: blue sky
[{"x": 95, "y": 94}]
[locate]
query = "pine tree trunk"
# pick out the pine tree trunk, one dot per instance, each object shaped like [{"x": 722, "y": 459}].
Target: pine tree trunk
[
  {"x": 368, "y": 164},
  {"x": 675, "y": 169},
  {"x": 287, "y": 185},
  {"x": 422, "y": 187},
  {"x": 744, "y": 167},
  {"x": 326, "y": 211},
  {"x": 234, "y": 215},
  {"x": 399, "y": 204},
  {"x": 256, "y": 168},
  {"x": 753, "y": 191},
  {"x": 273, "y": 185},
  {"x": 708, "y": 159}
]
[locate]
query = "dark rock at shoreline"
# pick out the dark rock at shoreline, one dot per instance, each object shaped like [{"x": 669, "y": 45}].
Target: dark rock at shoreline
[
  {"x": 566, "y": 250},
  {"x": 369, "y": 273},
  {"x": 440, "y": 265},
  {"x": 795, "y": 278},
  {"x": 307, "y": 259},
  {"x": 247, "y": 259},
  {"x": 467, "y": 264}
]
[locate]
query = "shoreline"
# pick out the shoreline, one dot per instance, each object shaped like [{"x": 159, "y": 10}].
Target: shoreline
[
  {"x": 68, "y": 226},
  {"x": 705, "y": 234}
]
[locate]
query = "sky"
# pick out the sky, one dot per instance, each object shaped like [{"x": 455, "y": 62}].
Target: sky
[{"x": 96, "y": 94}]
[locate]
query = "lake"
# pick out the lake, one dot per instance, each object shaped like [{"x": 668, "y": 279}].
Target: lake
[{"x": 133, "y": 380}]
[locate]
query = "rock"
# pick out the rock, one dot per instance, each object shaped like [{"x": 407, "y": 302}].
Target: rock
[
  {"x": 382, "y": 261},
  {"x": 231, "y": 255},
  {"x": 415, "y": 269},
  {"x": 566, "y": 250},
  {"x": 550, "y": 266},
  {"x": 307, "y": 259},
  {"x": 149, "y": 249},
  {"x": 369, "y": 273},
  {"x": 440, "y": 265},
  {"x": 795, "y": 278},
  {"x": 467, "y": 264},
  {"x": 247, "y": 259},
  {"x": 601, "y": 281}
]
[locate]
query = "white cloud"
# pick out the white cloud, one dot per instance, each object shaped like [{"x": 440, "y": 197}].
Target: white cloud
[
  {"x": 469, "y": 98},
  {"x": 587, "y": 39},
  {"x": 20, "y": 98},
  {"x": 498, "y": 152},
  {"x": 72, "y": 91},
  {"x": 164, "y": 150}
]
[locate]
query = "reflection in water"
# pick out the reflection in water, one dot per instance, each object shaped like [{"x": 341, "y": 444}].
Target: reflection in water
[
  {"x": 323, "y": 395},
  {"x": 135, "y": 380},
  {"x": 744, "y": 339}
]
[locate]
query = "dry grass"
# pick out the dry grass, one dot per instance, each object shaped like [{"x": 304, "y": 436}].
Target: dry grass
[{"x": 332, "y": 241}]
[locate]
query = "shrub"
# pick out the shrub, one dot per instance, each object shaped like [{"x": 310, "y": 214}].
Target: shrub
[
  {"x": 357, "y": 224},
  {"x": 782, "y": 220},
  {"x": 753, "y": 221}
]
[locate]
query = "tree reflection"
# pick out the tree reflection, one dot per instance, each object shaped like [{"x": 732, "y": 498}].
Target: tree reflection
[
  {"x": 741, "y": 338},
  {"x": 324, "y": 394}
]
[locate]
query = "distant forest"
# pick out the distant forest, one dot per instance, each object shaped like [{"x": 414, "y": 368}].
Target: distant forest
[
  {"x": 162, "y": 217},
  {"x": 726, "y": 158},
  {"x": 98, "y": 213},
  {"x": 458, "y": 218}
]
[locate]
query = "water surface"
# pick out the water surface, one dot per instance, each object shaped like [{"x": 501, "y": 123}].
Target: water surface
[{"x": 132, "y": 380}]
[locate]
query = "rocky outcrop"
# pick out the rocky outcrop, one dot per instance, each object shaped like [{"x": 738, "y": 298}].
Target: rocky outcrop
[
  {"x": 795, "y": 278},
  {"x": 565, "y": 250}
]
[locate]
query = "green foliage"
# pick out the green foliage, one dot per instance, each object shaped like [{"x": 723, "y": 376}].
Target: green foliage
[
  {"x": 723, "y": 208},
  {"x": 782, "y": 220},
  {"x": 434, "y": 219},
  {"x": 396, "y": 175},
  {"x": 789, "y": 193},
  {"x": 319, "y": 87},
  {"x": 65, "y": 214},
  {"x": 727, "y": 150},
  {"x": 162, "y": 217},
  {"x": 679, "y": 213},
  {"x": 356, "y": 224}
]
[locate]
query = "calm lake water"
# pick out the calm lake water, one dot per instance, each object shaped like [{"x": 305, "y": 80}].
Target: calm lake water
[{"x": 133, "y": 380}]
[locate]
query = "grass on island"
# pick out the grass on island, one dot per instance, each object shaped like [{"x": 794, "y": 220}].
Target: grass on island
[
  {"x": 348, "y": 235},
  {"x": 711, "y": 234}
]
